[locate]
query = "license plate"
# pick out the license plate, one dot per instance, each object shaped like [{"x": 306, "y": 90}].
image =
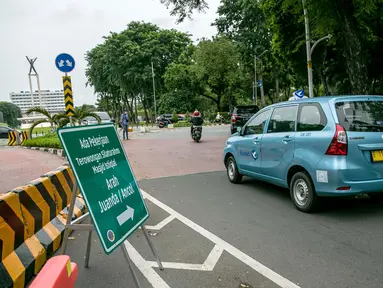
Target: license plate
[{"x": 377, "y": 156}]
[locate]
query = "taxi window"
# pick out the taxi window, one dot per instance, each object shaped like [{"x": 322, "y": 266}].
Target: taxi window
[
  {"x": 360, "y": 116},
  {"x": 257, "y": 124},
  {"x": 283, "y": 119},
  {"x": 311, "y": 118}
]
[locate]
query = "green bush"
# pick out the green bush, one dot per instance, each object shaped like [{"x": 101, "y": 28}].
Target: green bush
[
  {"x": 187, "y": 116},
  {"x": 186, "y": 124},
  {"x": 182, "y": 124},
  {"x": 174, "y": 117},
  {"x": 47, "y": 141}
]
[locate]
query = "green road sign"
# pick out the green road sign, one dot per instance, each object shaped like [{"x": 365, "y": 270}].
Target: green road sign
[{"x": 106, "y": 181}]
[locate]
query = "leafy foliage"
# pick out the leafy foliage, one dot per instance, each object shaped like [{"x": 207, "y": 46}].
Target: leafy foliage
[
  {"x": 54, "y": 121},
  {"x": 184, "y": 8},
  {"x": 10, "y": 113},
  {"x": 120, "y": 69}
]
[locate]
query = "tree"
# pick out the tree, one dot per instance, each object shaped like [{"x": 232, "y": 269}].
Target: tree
[
  {"x": 181, "y": 93},
  {"x": 216, "y": 67},
  {"x": 184, "y": 8},
  {"x": 80, "y": 113},
  {"x": 121, "y": 67},
  {"x": 348, "y": 63},
  {"x": 10, "y": 113},
  {"x": 54, "y": 121}
]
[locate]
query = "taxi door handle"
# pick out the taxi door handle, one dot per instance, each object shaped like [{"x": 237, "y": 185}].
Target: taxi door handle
[
  {"x": 256, "y": 140},
  {"x": 287, "y": 139}
]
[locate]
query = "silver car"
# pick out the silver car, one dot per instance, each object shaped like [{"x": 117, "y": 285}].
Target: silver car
[{"x": 105, "y": 118}]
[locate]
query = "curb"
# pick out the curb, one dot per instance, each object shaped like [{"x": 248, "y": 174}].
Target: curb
[
  {"x": 32, "y": 223},
  {"x": 54, "y": 151}
]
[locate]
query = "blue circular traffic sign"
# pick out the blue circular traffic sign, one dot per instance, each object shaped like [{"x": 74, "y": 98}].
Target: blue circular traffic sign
[{"x": 65, "y": 62}]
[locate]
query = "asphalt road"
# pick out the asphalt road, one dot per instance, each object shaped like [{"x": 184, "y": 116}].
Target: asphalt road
[{"x": 339, "y": 247}]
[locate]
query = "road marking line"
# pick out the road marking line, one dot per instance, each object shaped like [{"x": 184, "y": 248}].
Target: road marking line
[
  {"x": 162, "y": 224},
  {"x": 254, "y": 264},
  {"x": 212, "y": 259},
  {"x": 175, "y": 265},
  {"x": 208, "y": 265},
  {"x": 143, "y": 266}
]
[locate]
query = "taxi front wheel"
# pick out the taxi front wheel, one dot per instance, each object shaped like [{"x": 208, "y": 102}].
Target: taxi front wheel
[
  {"x": 302, "y": 192},
  {"x": 232, "y": 170}
]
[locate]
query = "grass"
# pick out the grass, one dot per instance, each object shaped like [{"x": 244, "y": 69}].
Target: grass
[
  {"x": 46, "y": 141},
  {"x": 39, "y": 130}
]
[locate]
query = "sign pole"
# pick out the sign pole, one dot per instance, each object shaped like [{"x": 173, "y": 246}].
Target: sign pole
[{"x": 65, "y": 63}]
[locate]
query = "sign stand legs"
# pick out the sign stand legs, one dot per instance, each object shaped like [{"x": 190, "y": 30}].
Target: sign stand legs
[
  {"x": 88, "y": 246},
  {"x": 152, "y": 247},
  {"x": 127, "y": 257},
  {"x": 69, "y": 217},
  {"x": 89, "y": 227}
]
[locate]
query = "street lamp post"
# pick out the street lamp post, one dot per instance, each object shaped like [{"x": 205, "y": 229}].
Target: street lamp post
[{"x": 309, "y": 49}]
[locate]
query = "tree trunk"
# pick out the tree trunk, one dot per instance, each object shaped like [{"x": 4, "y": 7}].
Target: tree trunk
[
  {"x": 352, "y": 47},
  {"x": 262, "y": 91},
  {"x": 145, "y": 110},
  {"x": 137, "y": 121}
]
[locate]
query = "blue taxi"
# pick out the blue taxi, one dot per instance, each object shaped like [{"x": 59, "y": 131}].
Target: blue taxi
[{"x": 325, "y": 146}]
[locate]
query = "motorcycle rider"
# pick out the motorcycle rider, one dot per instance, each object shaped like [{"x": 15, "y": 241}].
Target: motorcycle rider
[{"x": 196, "y": 120}]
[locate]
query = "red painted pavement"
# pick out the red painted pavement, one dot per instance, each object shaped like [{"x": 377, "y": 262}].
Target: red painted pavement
[
  {"x": 19, "y": 166},
  {"x": 154, "y": 158},
  {"x": 149, "y": 158}
]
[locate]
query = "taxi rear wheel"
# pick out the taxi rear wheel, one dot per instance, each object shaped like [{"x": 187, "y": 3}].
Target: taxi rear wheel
[
  {"x": 302, "y": 192},
  {"x": 232, "y": 170}
]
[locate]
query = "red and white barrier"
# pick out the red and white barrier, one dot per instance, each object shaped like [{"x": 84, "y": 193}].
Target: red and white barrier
[{"x": 58, "y": 272}]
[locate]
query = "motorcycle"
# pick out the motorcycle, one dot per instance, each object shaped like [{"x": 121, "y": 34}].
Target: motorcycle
[
  {"x": 164, "y": 123},
  {"x": 197, "y": 133}
]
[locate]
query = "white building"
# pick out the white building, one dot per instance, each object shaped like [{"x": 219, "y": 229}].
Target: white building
[{"x": 51, "y": 100}]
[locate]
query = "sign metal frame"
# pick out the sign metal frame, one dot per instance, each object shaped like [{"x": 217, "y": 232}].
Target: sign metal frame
[{"x": 75, "y": 225}]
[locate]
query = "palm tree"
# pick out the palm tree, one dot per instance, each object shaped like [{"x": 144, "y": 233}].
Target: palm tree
[
  {"x": 79, "y": 114},
  {"x": 53, "y": 120}
]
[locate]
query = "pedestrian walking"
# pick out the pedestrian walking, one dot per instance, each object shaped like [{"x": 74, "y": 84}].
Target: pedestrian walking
[{"x": 125, "y": 125}]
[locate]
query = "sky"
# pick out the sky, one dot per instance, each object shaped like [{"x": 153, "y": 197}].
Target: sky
[{"x": 46, "y": 28}]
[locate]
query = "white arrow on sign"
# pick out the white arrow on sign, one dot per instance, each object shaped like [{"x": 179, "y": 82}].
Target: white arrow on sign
[
  {"x": 61, "y": 63},
  {"x": 68, "y": 63},
  {"x": 125, "y": 216}
]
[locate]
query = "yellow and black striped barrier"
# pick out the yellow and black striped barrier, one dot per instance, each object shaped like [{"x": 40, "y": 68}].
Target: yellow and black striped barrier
[
  {"x": 32, "y": 223},
  {"x": 12, "y": 138},
  {"x": 24, "y": 137},
  {"x": 68, "y": 96}
]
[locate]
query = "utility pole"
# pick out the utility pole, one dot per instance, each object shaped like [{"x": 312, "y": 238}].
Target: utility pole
[
  {"x": 154, "y": 95},
  {"x": 308, "y": 50}
]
